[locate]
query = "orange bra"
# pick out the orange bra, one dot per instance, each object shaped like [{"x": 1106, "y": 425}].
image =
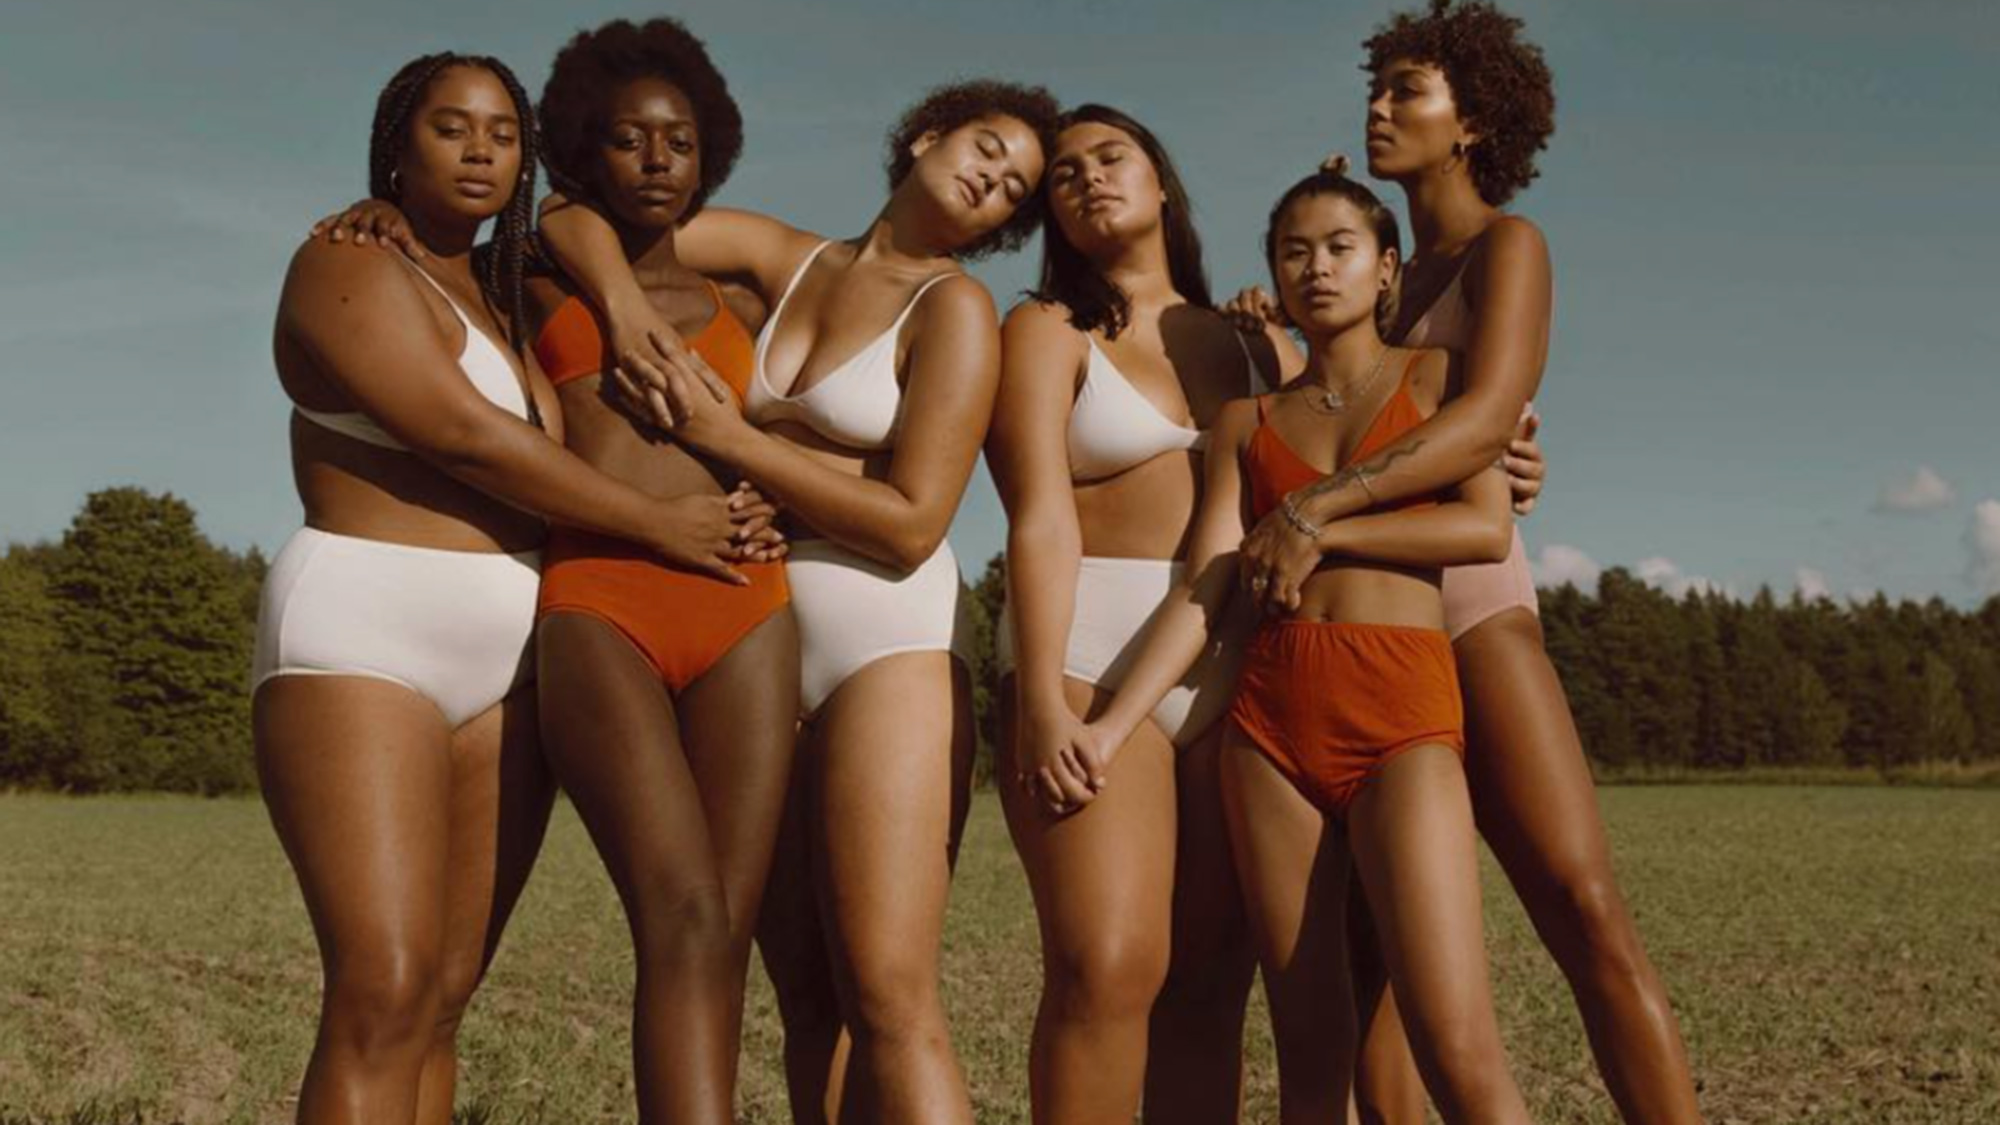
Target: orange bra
[
  {"x": 1274, "y": 469},
  {"x": 571, "y": 344}
]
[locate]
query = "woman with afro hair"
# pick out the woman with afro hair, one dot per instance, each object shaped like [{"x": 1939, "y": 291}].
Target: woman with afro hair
[
  {"x": 870, "y": 392},
  {"x": 1460, "y": 104}
]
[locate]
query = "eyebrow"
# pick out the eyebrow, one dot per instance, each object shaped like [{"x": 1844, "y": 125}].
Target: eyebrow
[
  {"x": 461, "y": 111},
  {"x": 997, "y": 139}
]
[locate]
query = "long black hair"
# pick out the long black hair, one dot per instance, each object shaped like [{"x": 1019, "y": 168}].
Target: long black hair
[
  {"x": 498, "y": 265},
  {"x": 1068, "y": 278}
]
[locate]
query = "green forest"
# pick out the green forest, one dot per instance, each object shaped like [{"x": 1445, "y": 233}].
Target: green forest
[{"x": 125, "y": 653}]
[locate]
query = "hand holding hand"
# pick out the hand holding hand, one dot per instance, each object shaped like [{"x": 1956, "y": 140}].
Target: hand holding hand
[
  {"x": 1275, "y": 562},
  {"x": 1058, "y": 760}
]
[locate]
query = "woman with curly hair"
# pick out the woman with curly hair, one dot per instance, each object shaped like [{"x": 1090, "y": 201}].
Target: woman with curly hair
[
  {"x": 870, "y": 391},
  {"x": 668, "y": 697},
  {"x": 395, "y": 740},
  {"x": 1460, "y": 105}
]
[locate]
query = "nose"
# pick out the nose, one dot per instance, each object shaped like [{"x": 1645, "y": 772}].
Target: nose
[
  {"x": 478, "y": 147},
  {"x": 1378, "y": 107},
  {"x": 654, "y": 157}
]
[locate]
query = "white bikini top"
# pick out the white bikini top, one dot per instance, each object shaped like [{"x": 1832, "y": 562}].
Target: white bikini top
[
  {"x": 1112, "y": 427},
  {"x": 485, "y": 366},
  {"x": 858, "y": 404}
]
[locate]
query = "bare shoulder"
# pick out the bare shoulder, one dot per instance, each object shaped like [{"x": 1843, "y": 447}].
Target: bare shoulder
[
  {"x": 1043, "y": 326},
  {"x": 1512, "y": 242},
  {"x": 323, "y": 275},
  {"x": 1433, "y": 375},
  {"x": 959, "y": 302}
]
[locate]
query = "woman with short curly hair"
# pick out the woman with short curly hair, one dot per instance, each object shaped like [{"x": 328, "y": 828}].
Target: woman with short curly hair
[
  {"x": 870, "y": 391},
  {"x": 1460, "y": 104}
]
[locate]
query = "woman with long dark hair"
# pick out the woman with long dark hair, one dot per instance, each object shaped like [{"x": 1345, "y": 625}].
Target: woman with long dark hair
[
  {"x": 1111, "y": 375},
  {"x": 395, "y": 742},
  {"x": 1460, "y": 105}
]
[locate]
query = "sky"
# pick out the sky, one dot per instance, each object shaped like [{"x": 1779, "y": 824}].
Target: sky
[{"x": 1772, "y": 226}]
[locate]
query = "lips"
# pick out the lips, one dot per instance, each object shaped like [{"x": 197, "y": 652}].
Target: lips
[
  {"x": 1096, "y": 202},
  {"x": 971, "y": 194},
  {"x": 475, "y": 189},
  {"x": 657, "y": 193}
]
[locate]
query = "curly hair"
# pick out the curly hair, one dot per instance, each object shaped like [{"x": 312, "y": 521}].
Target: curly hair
[
  {"x": 593, "y": 65},
  {"x": 1331, "y": 178},
  {"x": 960, "y": 103},
  {"x": 499, "y": 264},
  {"x": 1093, "y": 300},
  {"x": 1499, "y": 79}
]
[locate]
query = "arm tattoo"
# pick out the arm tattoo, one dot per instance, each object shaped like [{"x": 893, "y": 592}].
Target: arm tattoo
[{"x": 1353, "y": 473}]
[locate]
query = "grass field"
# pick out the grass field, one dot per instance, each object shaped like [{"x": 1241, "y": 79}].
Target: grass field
[{"x": 1834, "y": 954}]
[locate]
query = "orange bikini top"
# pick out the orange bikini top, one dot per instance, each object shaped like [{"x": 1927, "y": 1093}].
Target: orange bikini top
[
  {"x": 571, "y": 344},
  {"x": 1274, "y": 469}
]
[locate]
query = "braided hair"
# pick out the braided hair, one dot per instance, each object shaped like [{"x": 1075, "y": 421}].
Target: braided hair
[{"x": 498, "y": 264}]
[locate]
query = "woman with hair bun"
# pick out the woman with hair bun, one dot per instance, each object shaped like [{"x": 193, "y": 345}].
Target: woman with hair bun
[
  {"x": 1361, "y": 785},
  {"x": 1460, "y": 105},
  {"x": 870, "y": 391},
  {"x": 395, "y": 740}
]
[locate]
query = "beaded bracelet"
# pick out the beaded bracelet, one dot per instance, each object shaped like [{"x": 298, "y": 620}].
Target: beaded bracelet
[{"x": 1299, "y": 522}]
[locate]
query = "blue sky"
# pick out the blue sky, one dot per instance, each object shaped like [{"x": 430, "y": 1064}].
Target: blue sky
[{"x": 1772, "y": 226}]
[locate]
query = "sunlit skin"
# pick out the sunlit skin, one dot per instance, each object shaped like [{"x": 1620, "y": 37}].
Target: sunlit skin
[
  {"x": 1408, "y": 836},
  {"x": 411, "y": 840},
  {"x": 888, "y": 757},
  {"x": 1530, "y": 785},
  {"x": 1100, "y": 843},
  {"x": 681, "y": 792}
]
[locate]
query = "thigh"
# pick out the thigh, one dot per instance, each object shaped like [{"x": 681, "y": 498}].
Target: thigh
[
  {"x": 1416, "y": 851},
  {"x": 882, "y": 750},
  {"x": 1531, "y": 787},
  {"x": 1291, "y": 862},
  {"x": 356, "y": 775},
  {"x": 501, "y": 794},
  {"x": 610, "y": 730},
  {"x": 1208, "y": 903},
  {"x": 1103, "y": 875},
  {"x": 739, "y": 723}
]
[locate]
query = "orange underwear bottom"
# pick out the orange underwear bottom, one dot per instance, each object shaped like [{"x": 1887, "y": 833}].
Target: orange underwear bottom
[
  {"x": 681, "y": 622},
  {"x": 1329, "y": 703}
]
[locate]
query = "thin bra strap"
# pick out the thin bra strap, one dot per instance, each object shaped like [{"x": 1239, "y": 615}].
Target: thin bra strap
[
  {"x": 918, "y": 296},
  {"x": 785, "y": 297},
  {"x": 441, "y": 291},
  {"x": 1260, "y": 400},
  {"x": 1254, "y": 377}
]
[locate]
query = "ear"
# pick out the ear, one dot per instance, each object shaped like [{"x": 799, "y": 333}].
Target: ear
[
  {"x": 1390, "y": 266},
  {"x": 923, "y": 143}
]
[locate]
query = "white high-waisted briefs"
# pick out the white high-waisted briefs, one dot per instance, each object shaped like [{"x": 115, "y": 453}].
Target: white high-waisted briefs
[
  {"x": 452, "y": 626},
  {"x": 1115, "y": 601},
  {"x": 853, "y": 611}
]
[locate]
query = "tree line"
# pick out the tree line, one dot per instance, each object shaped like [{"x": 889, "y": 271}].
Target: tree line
[{"x": 125, "y": 653}]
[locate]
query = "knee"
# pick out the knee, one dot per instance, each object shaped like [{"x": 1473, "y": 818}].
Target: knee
[
  {"x": 1468, "y": 1058},
  {"x": 384, "y": 1001},
  {"x": 1591, "y": 926},
  {"x": 686, "y": 933},
  {"x": 1105, "y": 979},
  {"x": 893, "y": 997},
  {"x": 457, "y": 980}
]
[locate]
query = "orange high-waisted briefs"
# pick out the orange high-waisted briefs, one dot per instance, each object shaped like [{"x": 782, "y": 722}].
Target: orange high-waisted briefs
[
  {"x": 1330, "y": 703},
  {"x": 681, "y": 622}
]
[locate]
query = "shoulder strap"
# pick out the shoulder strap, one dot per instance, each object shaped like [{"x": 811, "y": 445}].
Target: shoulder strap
[
  {"x": 918, "y": 296},
  {"x": 796, "y": 275}
]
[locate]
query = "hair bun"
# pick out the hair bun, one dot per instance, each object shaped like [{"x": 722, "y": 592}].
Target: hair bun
[{"x": 1334, "y": 165}]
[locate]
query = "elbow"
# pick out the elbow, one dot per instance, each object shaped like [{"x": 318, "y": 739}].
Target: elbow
[
  {"x": 911, "y": 548},
  {"x": 1494, "y": 541}
]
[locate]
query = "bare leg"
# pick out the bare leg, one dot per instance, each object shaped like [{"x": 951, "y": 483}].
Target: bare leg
[
  {"x": 883, "y": 750},
  {"x": 1537, "y": 808},
  {"x": 1194, "y": 1058},
  {"x": 1417, "y": 854},
  {"x": 501, "y": 793},
  {"x": 613, "y": 737},
  {"x": 1294, "y": 870},
  {"x": 1387, "y": 1088},
  {"x": 1103, "y": 881},
  {"x": 793, "y": 944},
  {"x": 356, "y": 775}
]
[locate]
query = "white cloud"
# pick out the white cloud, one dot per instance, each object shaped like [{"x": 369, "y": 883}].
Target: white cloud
[
  {"x": 1558, "y": 563},
  {"x": 1665, "y": 575},
  {"x": 1812, "y": 584},
  {"x": 1982, "y": 547},
  {"x": 1924, "y": 492}
]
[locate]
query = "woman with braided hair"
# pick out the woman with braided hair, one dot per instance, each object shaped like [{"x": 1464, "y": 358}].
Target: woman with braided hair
[{"x": 395, "y": 748}]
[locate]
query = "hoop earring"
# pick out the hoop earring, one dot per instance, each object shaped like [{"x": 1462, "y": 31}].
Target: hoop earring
[{"x": 395, "y": 183}]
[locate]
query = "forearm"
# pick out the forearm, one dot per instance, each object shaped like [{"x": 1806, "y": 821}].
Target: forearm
[
  {"x": 1455, "y": 533},
  {"x": 518, "y": 464},
  {"x": 1044, "y": 557},
  {"x": 587, "y": 248},
  {"x": 1176, "y": 638},
  {"x": 1465, "y": 436},
  {"x": 871, "y": 517}
]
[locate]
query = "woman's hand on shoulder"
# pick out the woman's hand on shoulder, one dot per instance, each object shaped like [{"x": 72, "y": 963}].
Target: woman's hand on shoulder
[{"x": 370, "y": 222}]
